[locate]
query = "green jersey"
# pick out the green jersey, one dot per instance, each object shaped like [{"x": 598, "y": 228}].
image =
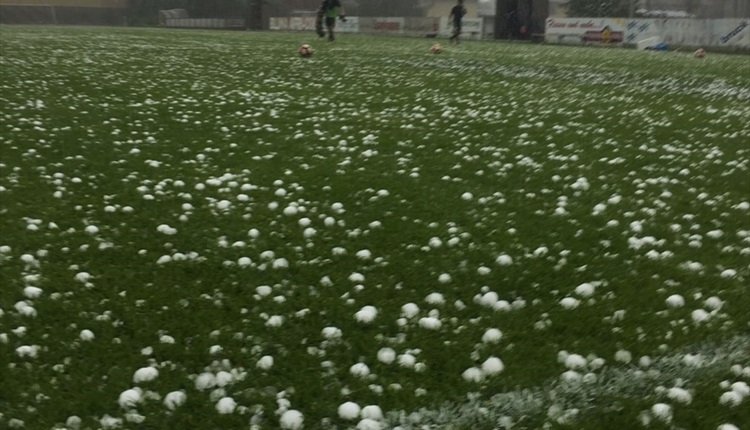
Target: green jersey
[{"x": 331, "y": 8}]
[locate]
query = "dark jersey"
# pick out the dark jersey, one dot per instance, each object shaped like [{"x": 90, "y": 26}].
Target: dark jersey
[
  {"x": 330, "y": 4},
  {"x": 457, "y": 13}
]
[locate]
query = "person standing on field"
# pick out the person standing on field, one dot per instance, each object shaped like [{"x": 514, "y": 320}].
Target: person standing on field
[
  {"x": 329, "y": 10},
  {"x": 457, "y": 14}
]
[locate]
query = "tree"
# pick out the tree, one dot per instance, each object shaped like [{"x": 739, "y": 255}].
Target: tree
[{"x": 599, "y": 8}]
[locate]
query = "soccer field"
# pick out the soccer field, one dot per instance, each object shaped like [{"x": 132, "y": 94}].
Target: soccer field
[{"x": 203, "y": 230}]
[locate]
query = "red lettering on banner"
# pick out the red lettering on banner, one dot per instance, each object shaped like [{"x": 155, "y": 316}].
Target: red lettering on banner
[
  {"x": 386, "y": 25},
  {"x": 603, "y": 36}
]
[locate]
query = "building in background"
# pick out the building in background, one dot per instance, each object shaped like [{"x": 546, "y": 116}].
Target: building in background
[
  {"x": 694, "y": 8},
  {"x": 558, "y": 8},
  {"x": 74, "y": 12},
  {"x": 503, "y": 18}
]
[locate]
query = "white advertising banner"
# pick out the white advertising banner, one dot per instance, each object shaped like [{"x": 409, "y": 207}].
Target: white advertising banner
[
  {"x": 388, "y": 25},
  {"x": 470, "y": 27},
  {"x": 351, "y": 25},
  {"x": 302, "y": 23},
  {"x": 732, "y": 32},
  {"x": 686, "y": 32},
  {"x": 205, "y": 23},
  {"x": 585, "y": 30},
  {"x": 641, "y": 29},
  {"x": 691, "y": 32},
  {"x": 278, "y": 23},
  {"x": 698, "y": 33}
]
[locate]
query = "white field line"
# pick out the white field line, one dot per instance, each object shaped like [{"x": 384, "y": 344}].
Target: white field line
[{"x": 560, "y": 401}]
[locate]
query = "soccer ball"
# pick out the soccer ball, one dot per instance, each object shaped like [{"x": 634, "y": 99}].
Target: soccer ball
[
  {"x": 436, "y": 48},
  {"x": 700, "y": 53},
  {"x": 305, "y": 50}
]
